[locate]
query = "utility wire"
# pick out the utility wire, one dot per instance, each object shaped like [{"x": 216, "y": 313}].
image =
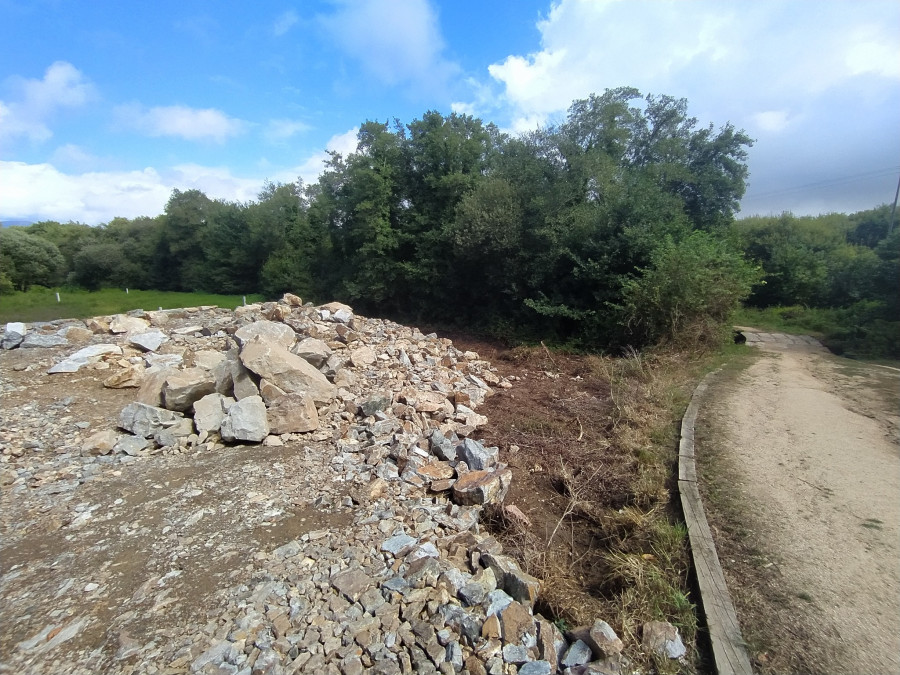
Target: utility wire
[{"x": 831, "y": 182}]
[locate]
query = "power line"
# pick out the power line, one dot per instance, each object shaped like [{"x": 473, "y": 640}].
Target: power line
[{"x": 830, "y": 182}]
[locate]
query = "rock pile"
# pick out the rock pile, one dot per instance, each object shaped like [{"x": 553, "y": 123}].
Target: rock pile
[{"x": 382, "y": 418}]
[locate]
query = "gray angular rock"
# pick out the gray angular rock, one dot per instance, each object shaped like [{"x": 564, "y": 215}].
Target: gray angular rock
[
  {"x": 476, "y": 456},
  {"x": 246, "y": 421},
  {"x": 171, "y": 435},
  {"x": 286, "y": 370},
  {"x": 14, "y": 334},
  {"x": 184, "y": 387},
  {"x": 146, "y": 420},
  {"x": 270, "y": 331},
  {"x": 442, "y": 447},
  {"x": 41, "y": 341},
  {"x": 578, "y": 653},
  {"x": 148, "y": 341},
  {"x": 130, "y": 445},
  {"x": 210, "y": 411},
  {"x": 313, "y": 351},
  {"x": 536, "y": 668}
]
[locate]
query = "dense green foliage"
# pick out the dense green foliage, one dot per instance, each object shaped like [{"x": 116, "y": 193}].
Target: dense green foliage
[
  {"x": 837, "y": 275},
  {"x": 612, "y": 228}
]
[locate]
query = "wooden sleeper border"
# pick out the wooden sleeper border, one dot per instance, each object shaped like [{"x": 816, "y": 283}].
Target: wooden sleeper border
[{"x": 729, "y": 654}]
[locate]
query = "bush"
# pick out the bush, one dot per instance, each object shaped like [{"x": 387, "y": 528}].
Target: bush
[{"x": 688, "y": 293}]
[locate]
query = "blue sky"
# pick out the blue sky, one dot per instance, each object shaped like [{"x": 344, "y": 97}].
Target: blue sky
[{"x": 105, "y": 107}]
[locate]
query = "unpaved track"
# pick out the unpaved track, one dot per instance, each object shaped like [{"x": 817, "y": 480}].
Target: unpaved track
[{"x": 811, "y": 442}]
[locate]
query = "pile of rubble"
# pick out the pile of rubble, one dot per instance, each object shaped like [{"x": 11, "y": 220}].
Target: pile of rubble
[{"x": 387, "y": 414}]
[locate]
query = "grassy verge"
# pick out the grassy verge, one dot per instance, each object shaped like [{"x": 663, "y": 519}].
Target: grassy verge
[
  {"x": 39, "y": 304},
  {"x": 592, "y": 442},
  {"x": 855, "y": 332}
]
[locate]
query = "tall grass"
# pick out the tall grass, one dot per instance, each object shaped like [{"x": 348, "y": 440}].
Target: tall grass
[{"x": 39, "y": 304}]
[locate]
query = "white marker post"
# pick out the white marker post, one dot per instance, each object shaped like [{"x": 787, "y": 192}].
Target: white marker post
[
  {"x": 57, "y": 297},
  {"x": 245, "y": 301}
]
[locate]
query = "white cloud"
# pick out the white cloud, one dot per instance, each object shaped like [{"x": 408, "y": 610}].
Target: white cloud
[
  {"x": 193, "y": 124},
  {"x": 73, "y": 156},
  {"x": 312, "y": 168},
  {"x": 772, "y": 120},
  {"x": 36, "y": 101},
  {"x": 283, "y": 129},
  {"x": 285, "y": 22},
  {"x": 43, "y": 191},
  {"x": 395, "y": 41},
  {"x": 724, "y": 56}
]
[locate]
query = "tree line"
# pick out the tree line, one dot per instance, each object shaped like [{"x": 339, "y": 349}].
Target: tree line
[{"x": 613, "y": 227}]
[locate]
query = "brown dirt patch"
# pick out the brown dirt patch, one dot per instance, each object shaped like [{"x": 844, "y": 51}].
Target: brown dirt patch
[{"x": 591, "y": 442}]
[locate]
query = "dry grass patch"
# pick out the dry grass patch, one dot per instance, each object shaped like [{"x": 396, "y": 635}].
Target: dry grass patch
[{"x": 592, "y": 442}]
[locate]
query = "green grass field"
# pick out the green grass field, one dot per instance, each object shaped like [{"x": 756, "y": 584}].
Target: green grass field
[{"x": 39, "y": 304}]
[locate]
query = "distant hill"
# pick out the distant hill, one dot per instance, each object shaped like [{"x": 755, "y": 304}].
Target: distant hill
[{"x": 13, "y": 222}]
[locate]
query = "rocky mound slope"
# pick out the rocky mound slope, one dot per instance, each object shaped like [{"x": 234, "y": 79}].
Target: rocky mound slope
[{"x": 278, "y": 489}]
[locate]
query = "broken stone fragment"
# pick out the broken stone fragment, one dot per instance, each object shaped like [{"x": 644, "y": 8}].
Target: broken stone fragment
[
  {"x": 171, "y": 435},
  {"x": 517, "y": 583},
  {"x": 246, "y": 421},
  {"x": 662, "y": 638},
  {"x": 208, "y": 359},
  {"x": 146, "y": 420},
  {"x": 184, "y": 387},
  {"x": 122, "y": 323},
  {"x": 130, "y": 445},
  {"x": 601, "y": 638},
  {"x": 476, "y": 456},
  {"x": 130, "y": 377},
  {"x": 292, "y": 300},
  {"x": 313, "y": 351},
  {"x": 84, "y": 356},
  {"x": 482, "y": 487},
  {"x": 362, "y": 356},
  {"x": 270, "y": 331},
  {"x": 293, "y": 413},
  {"x": 286, "y": 370},
  {"x": 42, "y": 341},
  {"x": 148, "y": 341},
  {"x": 352, "y": 583},
  {"x": 100, "y": 443},
  {"x": 14, "y": 334}
]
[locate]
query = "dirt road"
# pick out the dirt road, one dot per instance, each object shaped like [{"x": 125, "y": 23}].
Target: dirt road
[{"x": 801, "y": 474}]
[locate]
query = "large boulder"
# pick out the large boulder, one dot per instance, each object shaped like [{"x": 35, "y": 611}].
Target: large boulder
[
  {"x": 285, "y": 370},
  {"x": 233, "y": 378},
  {"x": 271, "y": 331},
  {"x": 184, "y": 387},
  {"x": 293, "y": 413},
  {"x": 246, "y": 421}
]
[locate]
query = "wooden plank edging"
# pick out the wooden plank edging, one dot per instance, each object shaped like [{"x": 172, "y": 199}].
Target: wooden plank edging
[{"x": 729, "y": 654}]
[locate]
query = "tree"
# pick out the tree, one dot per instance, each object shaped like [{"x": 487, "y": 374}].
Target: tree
[{"x": 32, "y": 260}]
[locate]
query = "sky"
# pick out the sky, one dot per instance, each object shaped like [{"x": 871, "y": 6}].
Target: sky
[{"x": 106, "y": 107}]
